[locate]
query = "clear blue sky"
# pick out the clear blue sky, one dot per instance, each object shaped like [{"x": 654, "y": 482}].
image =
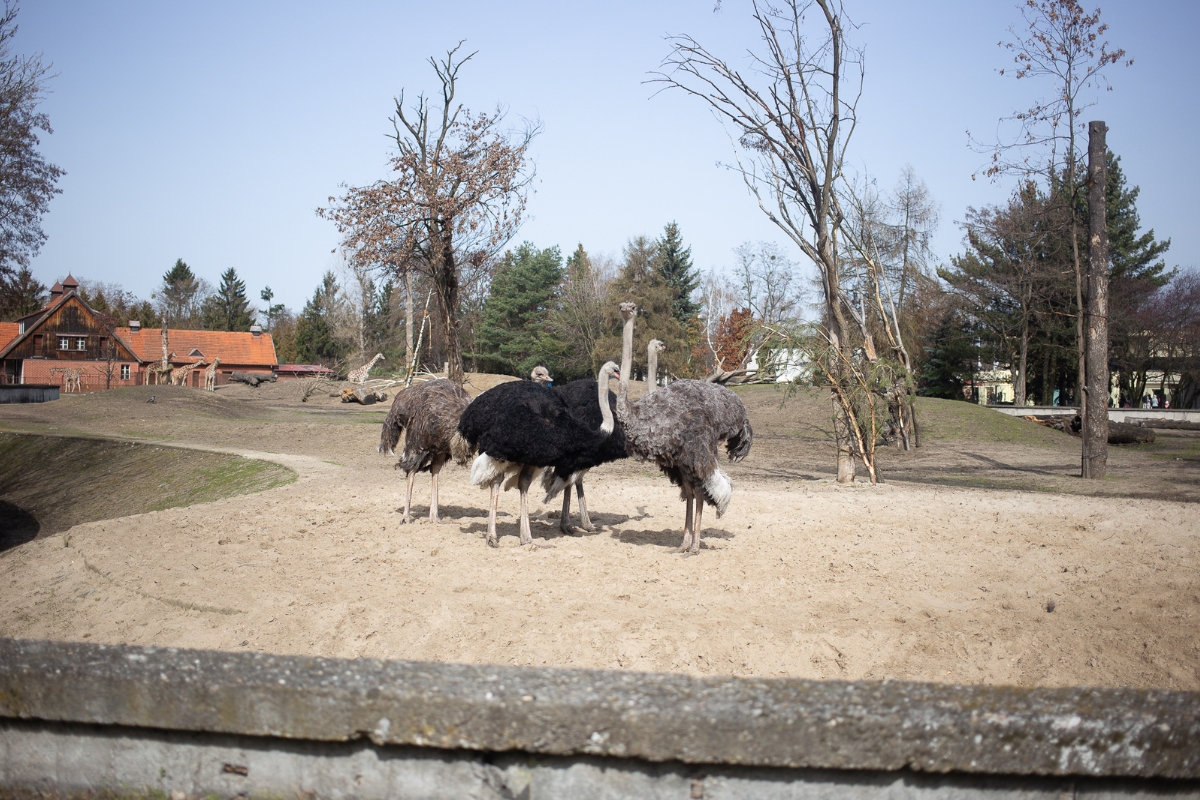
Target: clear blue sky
[{"x": 211, "y": 131}]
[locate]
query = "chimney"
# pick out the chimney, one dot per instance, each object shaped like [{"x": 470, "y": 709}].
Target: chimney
[
  {"x": 256, "y": 329},
  {"x": 134, "y": 326}
]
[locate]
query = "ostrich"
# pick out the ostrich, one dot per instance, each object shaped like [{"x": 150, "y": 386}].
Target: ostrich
[
  {"x": 521, "y": 426},
  {"x": 680, "y": 427},
  {"x": 428, "y": 413},
  {"x": 582, "y": 398}
]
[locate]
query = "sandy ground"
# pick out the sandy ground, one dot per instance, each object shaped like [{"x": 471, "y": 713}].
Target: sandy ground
[{"x": 800, "y": 578}]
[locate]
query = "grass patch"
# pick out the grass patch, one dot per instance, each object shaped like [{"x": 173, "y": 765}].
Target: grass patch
[{"x": 64, "y": 481}]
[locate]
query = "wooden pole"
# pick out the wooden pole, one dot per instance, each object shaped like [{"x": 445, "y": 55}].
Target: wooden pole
[{"x": 1095, "y": 411}]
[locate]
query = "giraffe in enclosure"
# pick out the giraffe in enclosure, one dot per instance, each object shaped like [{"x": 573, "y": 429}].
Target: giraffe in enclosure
[
  {"x": 159, "y": 369},
  {"x": 179, "y": 375},
  {"x": 72, "y": 378},
  {"x": 210, "y": 375},
  {"x": 360, "y": 375}
]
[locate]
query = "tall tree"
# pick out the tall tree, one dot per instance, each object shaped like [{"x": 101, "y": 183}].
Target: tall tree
[
  {"x": 458, "y": 196},
  {"x": 512, "y": 333},
  {"x": 27, "y": 180},
  {"x": 315, "y": 339},
  {"x": 675, "y": 265},
  {"x": 578, "y": 318},
  {"x": 228, "y": 309},
  {"x": 794, "y": 112},
  {"x": 20, "y": 294},
  {"x": 1061, "y": 45},
  {"x": 181, "y": 295}
]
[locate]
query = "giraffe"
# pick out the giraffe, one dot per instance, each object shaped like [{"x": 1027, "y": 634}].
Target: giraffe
[
  {"x": 210, "y": 375},
  {"x": 159, "y": 369},
  {"x": 72, "y": 377},
  {"x": 179, "y": 375},
  {"x": 360, "y": 375}
]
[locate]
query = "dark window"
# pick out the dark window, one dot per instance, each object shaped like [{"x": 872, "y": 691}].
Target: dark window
[{"x": 124, "y": 372}]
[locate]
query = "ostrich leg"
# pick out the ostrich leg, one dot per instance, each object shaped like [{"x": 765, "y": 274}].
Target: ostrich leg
[
  {"x": 564, "y": 522},
  {"x": 585, "y": 521},
  {"x": 523, "y": 481},
  {"x": 491, "y": 532},
  {"x": 687, "y": 520},
  {"x": 697, "y": 527},
  {"x": 412, "y": 477},
  {"x": 434, "y": 468}
]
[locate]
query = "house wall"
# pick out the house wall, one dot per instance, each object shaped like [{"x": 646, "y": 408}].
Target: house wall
[
  {"x": 72, "y": 323},
  {"x": 37, "y": 370}
]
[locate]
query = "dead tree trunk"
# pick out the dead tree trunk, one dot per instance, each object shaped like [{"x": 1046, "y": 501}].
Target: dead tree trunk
[{"x": 1095, "y": 399}]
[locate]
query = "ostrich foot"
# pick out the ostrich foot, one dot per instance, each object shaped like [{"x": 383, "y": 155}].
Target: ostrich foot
[
  {"x": 686, "y": 545},
  {"x": 492, "y": 541}
]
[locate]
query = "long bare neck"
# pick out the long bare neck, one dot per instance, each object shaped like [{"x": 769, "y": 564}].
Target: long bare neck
[
  {"x": 651, "y": 368},
  {"x": 602, "y": 390},
  {"x": 626, "y": 364}
]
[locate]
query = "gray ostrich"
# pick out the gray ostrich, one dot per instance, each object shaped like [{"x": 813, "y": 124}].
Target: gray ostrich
[
  {"x": 680, "y": 427},
  {"x": 428, "y": 413}
]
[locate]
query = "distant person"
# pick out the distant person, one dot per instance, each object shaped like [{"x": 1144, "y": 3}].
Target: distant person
[
  {"x": 1146, "y": 401},
  {"x": 1154, "y": 401}
]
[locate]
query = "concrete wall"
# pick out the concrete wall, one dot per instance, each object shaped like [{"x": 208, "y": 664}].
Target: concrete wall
[
  {"x": 76, "y": 716},
  {"x": 1114, "y": 414}
]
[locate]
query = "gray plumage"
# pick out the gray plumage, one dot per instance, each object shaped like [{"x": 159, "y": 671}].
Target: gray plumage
[
  {"x": 681, "y": 428},
  {"x": 427, "y": 413}
]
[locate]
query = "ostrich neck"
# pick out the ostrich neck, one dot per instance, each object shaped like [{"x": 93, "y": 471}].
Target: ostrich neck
[
  {"x": 651, "y": 369},
  {"x": 605, "y": 411},
  {"x": 626, "y": 367}
]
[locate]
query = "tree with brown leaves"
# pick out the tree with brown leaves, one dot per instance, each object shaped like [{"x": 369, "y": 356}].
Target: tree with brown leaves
[{"x": 458, "y": 194}]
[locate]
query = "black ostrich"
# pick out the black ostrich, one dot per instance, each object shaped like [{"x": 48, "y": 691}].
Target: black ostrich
[
  {"x": 518, "y": 428},
  {"x": 428, "y": 413},
  {"x": 583, "y": 398}
]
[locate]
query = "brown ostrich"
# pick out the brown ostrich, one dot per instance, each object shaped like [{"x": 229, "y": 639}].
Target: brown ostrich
[
  {"x": 428, "y": 414},
  {"x": 680, "y": 427}
]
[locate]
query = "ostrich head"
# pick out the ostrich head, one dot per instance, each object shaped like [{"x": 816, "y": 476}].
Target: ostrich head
[
  {"x": 628, "y": 311},
  {"x": 652, "y": 350},
  {"x": 656, "y": 346},
  {"x": 541, "y": 375}
]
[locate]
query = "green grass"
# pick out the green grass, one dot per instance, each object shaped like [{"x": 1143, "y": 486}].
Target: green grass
[{"x": 64, "y": 481}]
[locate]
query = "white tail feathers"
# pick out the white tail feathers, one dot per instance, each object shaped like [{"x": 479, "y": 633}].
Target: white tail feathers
[
  {"x": 719, "y": 489},
  {"x": 486, "y": 470},
  {"x": 554, "y": 484}
]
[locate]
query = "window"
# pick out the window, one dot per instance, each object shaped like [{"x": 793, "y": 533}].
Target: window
[
  {"x": 64, "y": 343},
  {"x": 124, "y": 372},
  {"x": 81, "y": 344}
]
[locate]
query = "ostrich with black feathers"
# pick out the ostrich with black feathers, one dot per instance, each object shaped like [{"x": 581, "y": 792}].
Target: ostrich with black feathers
[
  {"x": 583, "y": 398},
  {"x": 681, "y": 428},
  {"x": 520, "y": 427},
  {"x": 427, "y": 413}
]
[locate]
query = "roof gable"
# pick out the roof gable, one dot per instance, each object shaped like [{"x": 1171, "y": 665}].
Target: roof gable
[{"x": 51, "y": 312}]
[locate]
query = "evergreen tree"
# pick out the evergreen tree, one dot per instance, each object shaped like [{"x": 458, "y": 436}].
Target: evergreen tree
[
  {"x": 1137, "y": 272},
  {"x": 642, "y": 282},
  {"x": 675, "y": 266},
  {"x": 950, "y": 356},
  {"x": 228, "y": 309},
  {"x": 20, "y": 294},
  {"x": 314, "y": 338},
  {"x": 180, "y": 294},
  {"x": 512, "y": 334}
]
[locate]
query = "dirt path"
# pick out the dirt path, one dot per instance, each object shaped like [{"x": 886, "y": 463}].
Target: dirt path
[{"x": 800, "y": 578}]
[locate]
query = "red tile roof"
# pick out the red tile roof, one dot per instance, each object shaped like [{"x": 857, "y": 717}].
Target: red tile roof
[
  {"x": 234, "y": 349},
  {"x": 8, "y": 332}
]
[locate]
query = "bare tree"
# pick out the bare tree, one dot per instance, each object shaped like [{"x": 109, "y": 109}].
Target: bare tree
[
  {"x": 459, "y": 190},
  {"x": 791, "y": 116},
  {"x": 1060, "y": 44}
]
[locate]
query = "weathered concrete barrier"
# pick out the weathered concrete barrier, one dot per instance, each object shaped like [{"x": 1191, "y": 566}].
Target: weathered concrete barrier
[{"x": 79, "y": 716}]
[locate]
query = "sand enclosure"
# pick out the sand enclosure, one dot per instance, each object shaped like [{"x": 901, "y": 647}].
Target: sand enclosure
[{"x": 801, "y": 578}]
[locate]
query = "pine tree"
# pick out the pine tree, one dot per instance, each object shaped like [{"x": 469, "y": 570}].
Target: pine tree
[
  {"x": 512, "y": 334},
  {"x": 675, "y": 266},
  {"x": 228, "y": 309},
  {"x": 1137, "y": 272},
  {"x": 949, "y": 359},
  {"x": 314, "y": 339},
  {"x": 20, "y": 294},
  {"x": 179, "y": 294}
]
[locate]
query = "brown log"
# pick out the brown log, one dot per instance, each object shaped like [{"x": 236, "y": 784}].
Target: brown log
[{"x": 1127, "y": 433}]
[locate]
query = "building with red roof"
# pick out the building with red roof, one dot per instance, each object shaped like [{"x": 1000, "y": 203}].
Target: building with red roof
[{"x": 66, "y": 337}]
